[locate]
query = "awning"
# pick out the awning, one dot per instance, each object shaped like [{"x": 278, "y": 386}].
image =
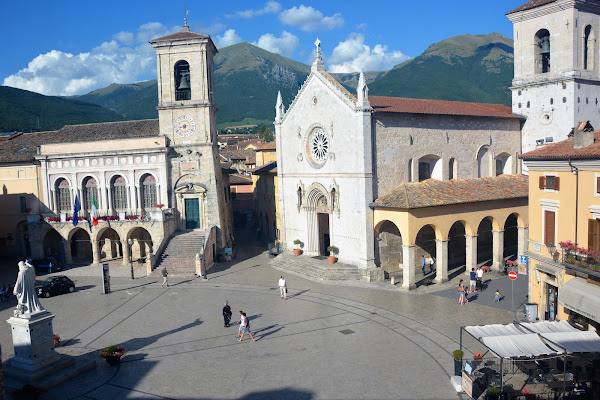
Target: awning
[
  {"x": 482, "y": 331},
  {"x": 518, "y": 345},
  {"x": 582, "y": 297},
  {"x": 576, "y": 342},
  {"x": 549, "y": 327}
]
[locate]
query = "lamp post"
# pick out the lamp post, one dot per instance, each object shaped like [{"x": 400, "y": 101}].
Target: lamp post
[
  {"x": 551, "y": 249},
  {"x": 130, "y": 243}
]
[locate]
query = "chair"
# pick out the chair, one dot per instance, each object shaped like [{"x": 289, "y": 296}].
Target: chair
[{"x": 569, "y": 376}]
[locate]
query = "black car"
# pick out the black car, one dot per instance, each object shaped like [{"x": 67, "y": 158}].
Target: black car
[
  {"x": 56, "y": 285},
  {"x": 46, "y": 264}
]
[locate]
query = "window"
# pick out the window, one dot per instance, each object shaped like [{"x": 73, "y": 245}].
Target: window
[
  {"x": 119, "y": 193},
  {"x": 452, "y": 172},
  {"x": 542, "y": 51},
  {"x": 484, "y": 162},
  {"x": 588, "y": 48},
  {"x": 430, "y": 167},
  {"x": 410, "y": 177},
  {"x": 182, "y": 81},
  {"x": 594, "y": 234},
  {"x": 64, "y": 195},
  {"x": 149, "y": 199},
  {"x": 597, "y": 185},
  {"x": 549, "y": 227},
  {"x": 549, "y": 182},
  {"x": 424, "y": 171},
  {"x": 90, "y": 193},
  {"x": 22, "y": 204}
]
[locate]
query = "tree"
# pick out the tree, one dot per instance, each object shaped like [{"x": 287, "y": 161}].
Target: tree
[{"x": 265, "y": 133}]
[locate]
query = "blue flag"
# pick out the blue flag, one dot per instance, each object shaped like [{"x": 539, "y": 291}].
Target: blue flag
[{"x": 76, "y": 210}]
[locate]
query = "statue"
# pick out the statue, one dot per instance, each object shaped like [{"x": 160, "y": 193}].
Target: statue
[{"x": 28, "y": 302}]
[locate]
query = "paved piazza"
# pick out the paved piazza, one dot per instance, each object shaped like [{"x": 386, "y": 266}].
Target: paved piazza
[{"x": 324, "y": 342}]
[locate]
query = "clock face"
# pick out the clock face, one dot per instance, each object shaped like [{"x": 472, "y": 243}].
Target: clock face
[
  {"x": 318, "y": 146},
  {"x": 185, "y": 126}
]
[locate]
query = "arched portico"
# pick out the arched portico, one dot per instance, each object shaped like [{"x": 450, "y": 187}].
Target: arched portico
[
  {"x": 388, "y": 247},
  {"x": 318, "y": 208},
  {"x": 81, "y": 246}
]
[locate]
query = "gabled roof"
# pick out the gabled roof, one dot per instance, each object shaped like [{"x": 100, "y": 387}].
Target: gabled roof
[
  {"x": 384, "y": 104},
  {"x": 564, "y": 150},
  {"x": 185, "y": 33},
  {"x": 23, "y": 148},
  {"x": 270, "y": 168},
  {"x": 432, "y": 193},
  {"x": 530, "y": 4},
  {"x": 239, "y": 179},
  {"x": 269, "y": 146}
]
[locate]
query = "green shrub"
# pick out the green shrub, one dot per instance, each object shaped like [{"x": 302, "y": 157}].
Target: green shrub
[{"x": 458, "y": 354}]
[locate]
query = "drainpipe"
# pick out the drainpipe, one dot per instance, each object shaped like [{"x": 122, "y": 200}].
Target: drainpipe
[{"x": 575, "y": 171}]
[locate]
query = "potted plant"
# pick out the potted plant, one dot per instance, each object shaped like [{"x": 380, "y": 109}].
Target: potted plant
[
  {"x": 297, "y": 250},
  {"x": 458, "y": 355},
  {"x": 113, "y": 354},
  {"x": 331, "y": 257},
  {"x": 478, "y": 356},
  {"x": 529, "y": 395},
  {"x": 492, "y": 393}
]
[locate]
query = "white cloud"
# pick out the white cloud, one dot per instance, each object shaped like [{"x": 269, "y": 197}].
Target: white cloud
[
  {"x": 308, "y": 19},
  {"x": 354, "y": 55},
  {"x": 271, "y": 7},
  {"x": 284, "y": 45},
  {"x": 127, "y": 58},
  {"x": 228, "y": 38}
]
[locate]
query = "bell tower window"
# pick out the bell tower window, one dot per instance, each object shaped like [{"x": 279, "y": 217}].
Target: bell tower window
[
  {"x": 182, "y": 81},
  {"x": 588, "y": 48},
  {"x": 542, "y": 51}
]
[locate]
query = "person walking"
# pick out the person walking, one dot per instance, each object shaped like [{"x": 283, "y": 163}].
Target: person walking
[
  {"x": 473, "y": 280},
  {"x": 431, "y": 262},
  {"x": 239, "y": 322},
  {"x": 164, "y": 275},
  {"x": 461, "y": 292},
  {"x": 497, "y": 296},
  {"x": 226, "y": 314},
  {"x": 246, "y": 327},
  {"x": 423, "y": 264},
  {"x": 283, "y": 287},
  {"x": 479, "y": 278}
]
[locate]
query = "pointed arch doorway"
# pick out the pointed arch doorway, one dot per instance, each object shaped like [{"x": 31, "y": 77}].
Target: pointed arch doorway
[{"x": 319, "y": 225}]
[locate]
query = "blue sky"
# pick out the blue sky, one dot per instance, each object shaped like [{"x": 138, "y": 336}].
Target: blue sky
[{"x": 67, "y": 47}]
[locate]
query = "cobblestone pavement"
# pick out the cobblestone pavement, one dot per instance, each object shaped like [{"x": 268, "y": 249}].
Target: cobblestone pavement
[{"x": 324, "y": 342}]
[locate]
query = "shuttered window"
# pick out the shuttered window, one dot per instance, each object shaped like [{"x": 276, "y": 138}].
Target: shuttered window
[
  {"x": 594, "y": 234},
  {"x": 598, "y": 184},
  {"x": 549, "y": 182},
  {"x": 549, "y": 227}
]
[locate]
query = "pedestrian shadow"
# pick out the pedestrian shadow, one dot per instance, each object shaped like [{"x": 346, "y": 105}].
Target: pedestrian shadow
[
  {"x": 70, "y": 342},
  {"x": 264, "y": 332},
  {"x": 473, "y": 297},
  {"x": 299, "y": 293},
  {"x": 279, "y": 394},
  {"x": 253, "y": 317}
]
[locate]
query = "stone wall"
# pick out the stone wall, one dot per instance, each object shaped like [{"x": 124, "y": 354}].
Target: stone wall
[{"x": 210, "y": 249}]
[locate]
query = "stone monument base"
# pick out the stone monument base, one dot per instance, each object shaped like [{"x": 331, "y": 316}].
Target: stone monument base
[{"x": 33, "y": 341}]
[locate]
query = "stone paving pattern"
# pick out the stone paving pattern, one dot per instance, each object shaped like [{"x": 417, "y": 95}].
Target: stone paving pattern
[{"x": 327, "y": 341}]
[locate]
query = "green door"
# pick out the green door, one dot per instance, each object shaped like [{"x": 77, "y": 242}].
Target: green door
[{"x": 192, "y": 214}]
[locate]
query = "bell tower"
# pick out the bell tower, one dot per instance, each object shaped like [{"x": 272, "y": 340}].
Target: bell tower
[
  {"x": 187, "y": 117},
  {"x": 557, "y": 76}
]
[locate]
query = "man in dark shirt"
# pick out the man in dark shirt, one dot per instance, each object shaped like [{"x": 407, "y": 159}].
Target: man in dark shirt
[{"x": 472, "y": 280}]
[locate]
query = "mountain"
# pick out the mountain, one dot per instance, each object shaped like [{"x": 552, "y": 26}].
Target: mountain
[
  {"x": 26, "y": 111},
  {"x": 132, "y": 101},
  {"x": 476, "y": 68}
]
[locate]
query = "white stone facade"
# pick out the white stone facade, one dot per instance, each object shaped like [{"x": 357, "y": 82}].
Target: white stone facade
[{"x": 569, "y": 92}]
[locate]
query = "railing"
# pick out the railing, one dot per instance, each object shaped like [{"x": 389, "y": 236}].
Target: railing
[
  {"x": 581, "y": 258},
  {"x": 150, "y": 216}
]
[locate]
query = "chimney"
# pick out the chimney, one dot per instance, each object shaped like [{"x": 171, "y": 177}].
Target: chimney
[{"x": 583, "y": 135}]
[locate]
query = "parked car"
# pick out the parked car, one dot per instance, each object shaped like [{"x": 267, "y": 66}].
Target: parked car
[
  {"x": 46, "y": 264},
  {"x": 56, "y": 285}
]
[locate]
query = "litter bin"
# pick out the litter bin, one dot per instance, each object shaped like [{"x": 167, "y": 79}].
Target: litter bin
[{"x": 531, "y": 311}]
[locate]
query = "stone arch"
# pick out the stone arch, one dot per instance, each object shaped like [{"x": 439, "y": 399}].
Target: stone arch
[
  {"x": 86, "y": 176},
  {"x": 485, "y": 156},
  {"x": 430, "y": 167},
  {"x": 542, "y": 46},
  {"x": 142, "y": 243},
  {"x": 452, "y": 168},
  {"x": 485, "y": 241},
  {"x": 315, "y": 192},
  {"x": 90, "y": 189},
  {"x": 318, "y": 213},
  {"x": 114, "y": 174},
  {"x": 388, "y": 246},
  {"x": 148, "y": 184},
  {"x": 80, "y": 246},
  {"x": 60, "y": 177},
  {"x": 457, "y": 245},
  {"x": 52, "y": 243},
  {"x": 182, "y": 76},
  {"x": 504, "y": 164},
  {"x": 109, "y": 244},
  {"x": 425, "y": 242},
  {"x": 589, "y": 43},
  {"x": 511, "y": 237}
]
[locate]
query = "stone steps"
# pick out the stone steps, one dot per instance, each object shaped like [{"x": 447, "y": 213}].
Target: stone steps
[
  {"x": 315, "y": 269},
  {"x": 179, "y": 255}
]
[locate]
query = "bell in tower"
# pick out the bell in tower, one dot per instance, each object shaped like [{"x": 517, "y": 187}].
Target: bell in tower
[{"x": 182, "y": 84}]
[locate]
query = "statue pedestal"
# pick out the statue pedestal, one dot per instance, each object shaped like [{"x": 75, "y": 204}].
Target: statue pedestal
[{"x": 33, "y": 341}]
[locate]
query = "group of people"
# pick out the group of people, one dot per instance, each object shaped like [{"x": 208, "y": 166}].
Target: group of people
[
  {"x": 475, "y": 280},
  {"x": 244, "y": 322},
  {"x": 6, "y": 292},
  {"x": 427, "y": 262}
]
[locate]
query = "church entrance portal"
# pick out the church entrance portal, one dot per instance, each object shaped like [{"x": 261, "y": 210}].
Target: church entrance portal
[
  {"x": 192, "y": 214},
  {"x": 324, "y": 242}
]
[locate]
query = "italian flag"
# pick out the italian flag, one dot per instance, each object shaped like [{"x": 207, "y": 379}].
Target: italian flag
[{"x": 94, "y": 211}]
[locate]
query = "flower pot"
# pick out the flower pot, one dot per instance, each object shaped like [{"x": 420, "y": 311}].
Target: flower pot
[
  {"x": 297, "y": 252},
  {"x": 112, "y": 360},
  {"x": 331, "y": 259},
  {"x": 458, "y": 367}
]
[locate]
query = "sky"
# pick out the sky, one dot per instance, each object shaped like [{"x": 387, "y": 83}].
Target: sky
[{"x": 69, "y": 48}]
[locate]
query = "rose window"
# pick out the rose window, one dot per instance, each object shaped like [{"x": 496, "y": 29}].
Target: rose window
[{"x": 318, "y": 146}]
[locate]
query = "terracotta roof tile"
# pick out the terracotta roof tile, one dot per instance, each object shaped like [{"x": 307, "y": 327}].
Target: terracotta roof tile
[
  {"x": 266, "y": 146},
  {"x": 239, "y": 179},
  {"x": 433, "y": 193},
  {"x": 564, "y": 149},
  {"x": 383, "y": 104},
  {"x": 270, "y": 168},
  {"x": 183, "y": 34},
  {"x": 530, "y": 4}
]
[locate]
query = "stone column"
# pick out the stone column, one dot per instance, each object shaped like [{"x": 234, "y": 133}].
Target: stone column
[
  {"x": 471, "y": 261},
  {"x": 125, "y": 247},
  {"x": 522, "y": 240},
  {"x": 110, "y": 201},
  {"x": 95, "y": 252},
  {"x": 313, "y": 234},
  {"x": 53, "y": 201},
  {"x": 408, "y": 267},
  {"x": 67, "y": 250},
  {"x": 138, "y": 198},
  {"x": 498, "y": 250},
  {"x": 441, "y": 263}
]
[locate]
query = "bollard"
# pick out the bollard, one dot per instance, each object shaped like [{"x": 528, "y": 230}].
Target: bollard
[{"x": 392, "y": 281}]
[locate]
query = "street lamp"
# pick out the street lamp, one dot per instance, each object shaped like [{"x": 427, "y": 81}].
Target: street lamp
[
  {"x": 130, "y": 242},
  {"x": 551, "y": 249}
]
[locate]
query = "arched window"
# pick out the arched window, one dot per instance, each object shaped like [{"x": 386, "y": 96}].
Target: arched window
[
  {"x": 118, "y": 188},
  {"x": 542, "y": 51},
  {"x": 503, "y": 164},
  {"x": 410, "y": 167},
  {"x": 149, "y": 199},
  {"x": 452, "y": 171},
  {"x": 484, "y": 162},
  {"x": 90, "y": 193},
  {"x": 430, "y": 167},
  {"x": 182, "y": 81},
  {"x": 588, "y": 48},
  {"x": 63, "y": 190}
]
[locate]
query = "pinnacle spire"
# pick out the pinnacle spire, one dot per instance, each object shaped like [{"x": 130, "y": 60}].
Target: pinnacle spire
[{"x": 318, "y": 64}]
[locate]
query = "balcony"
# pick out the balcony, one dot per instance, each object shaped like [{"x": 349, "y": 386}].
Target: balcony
[
  {"x": 158, "y": 215},
  {"x": 578, "y": 258}
]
